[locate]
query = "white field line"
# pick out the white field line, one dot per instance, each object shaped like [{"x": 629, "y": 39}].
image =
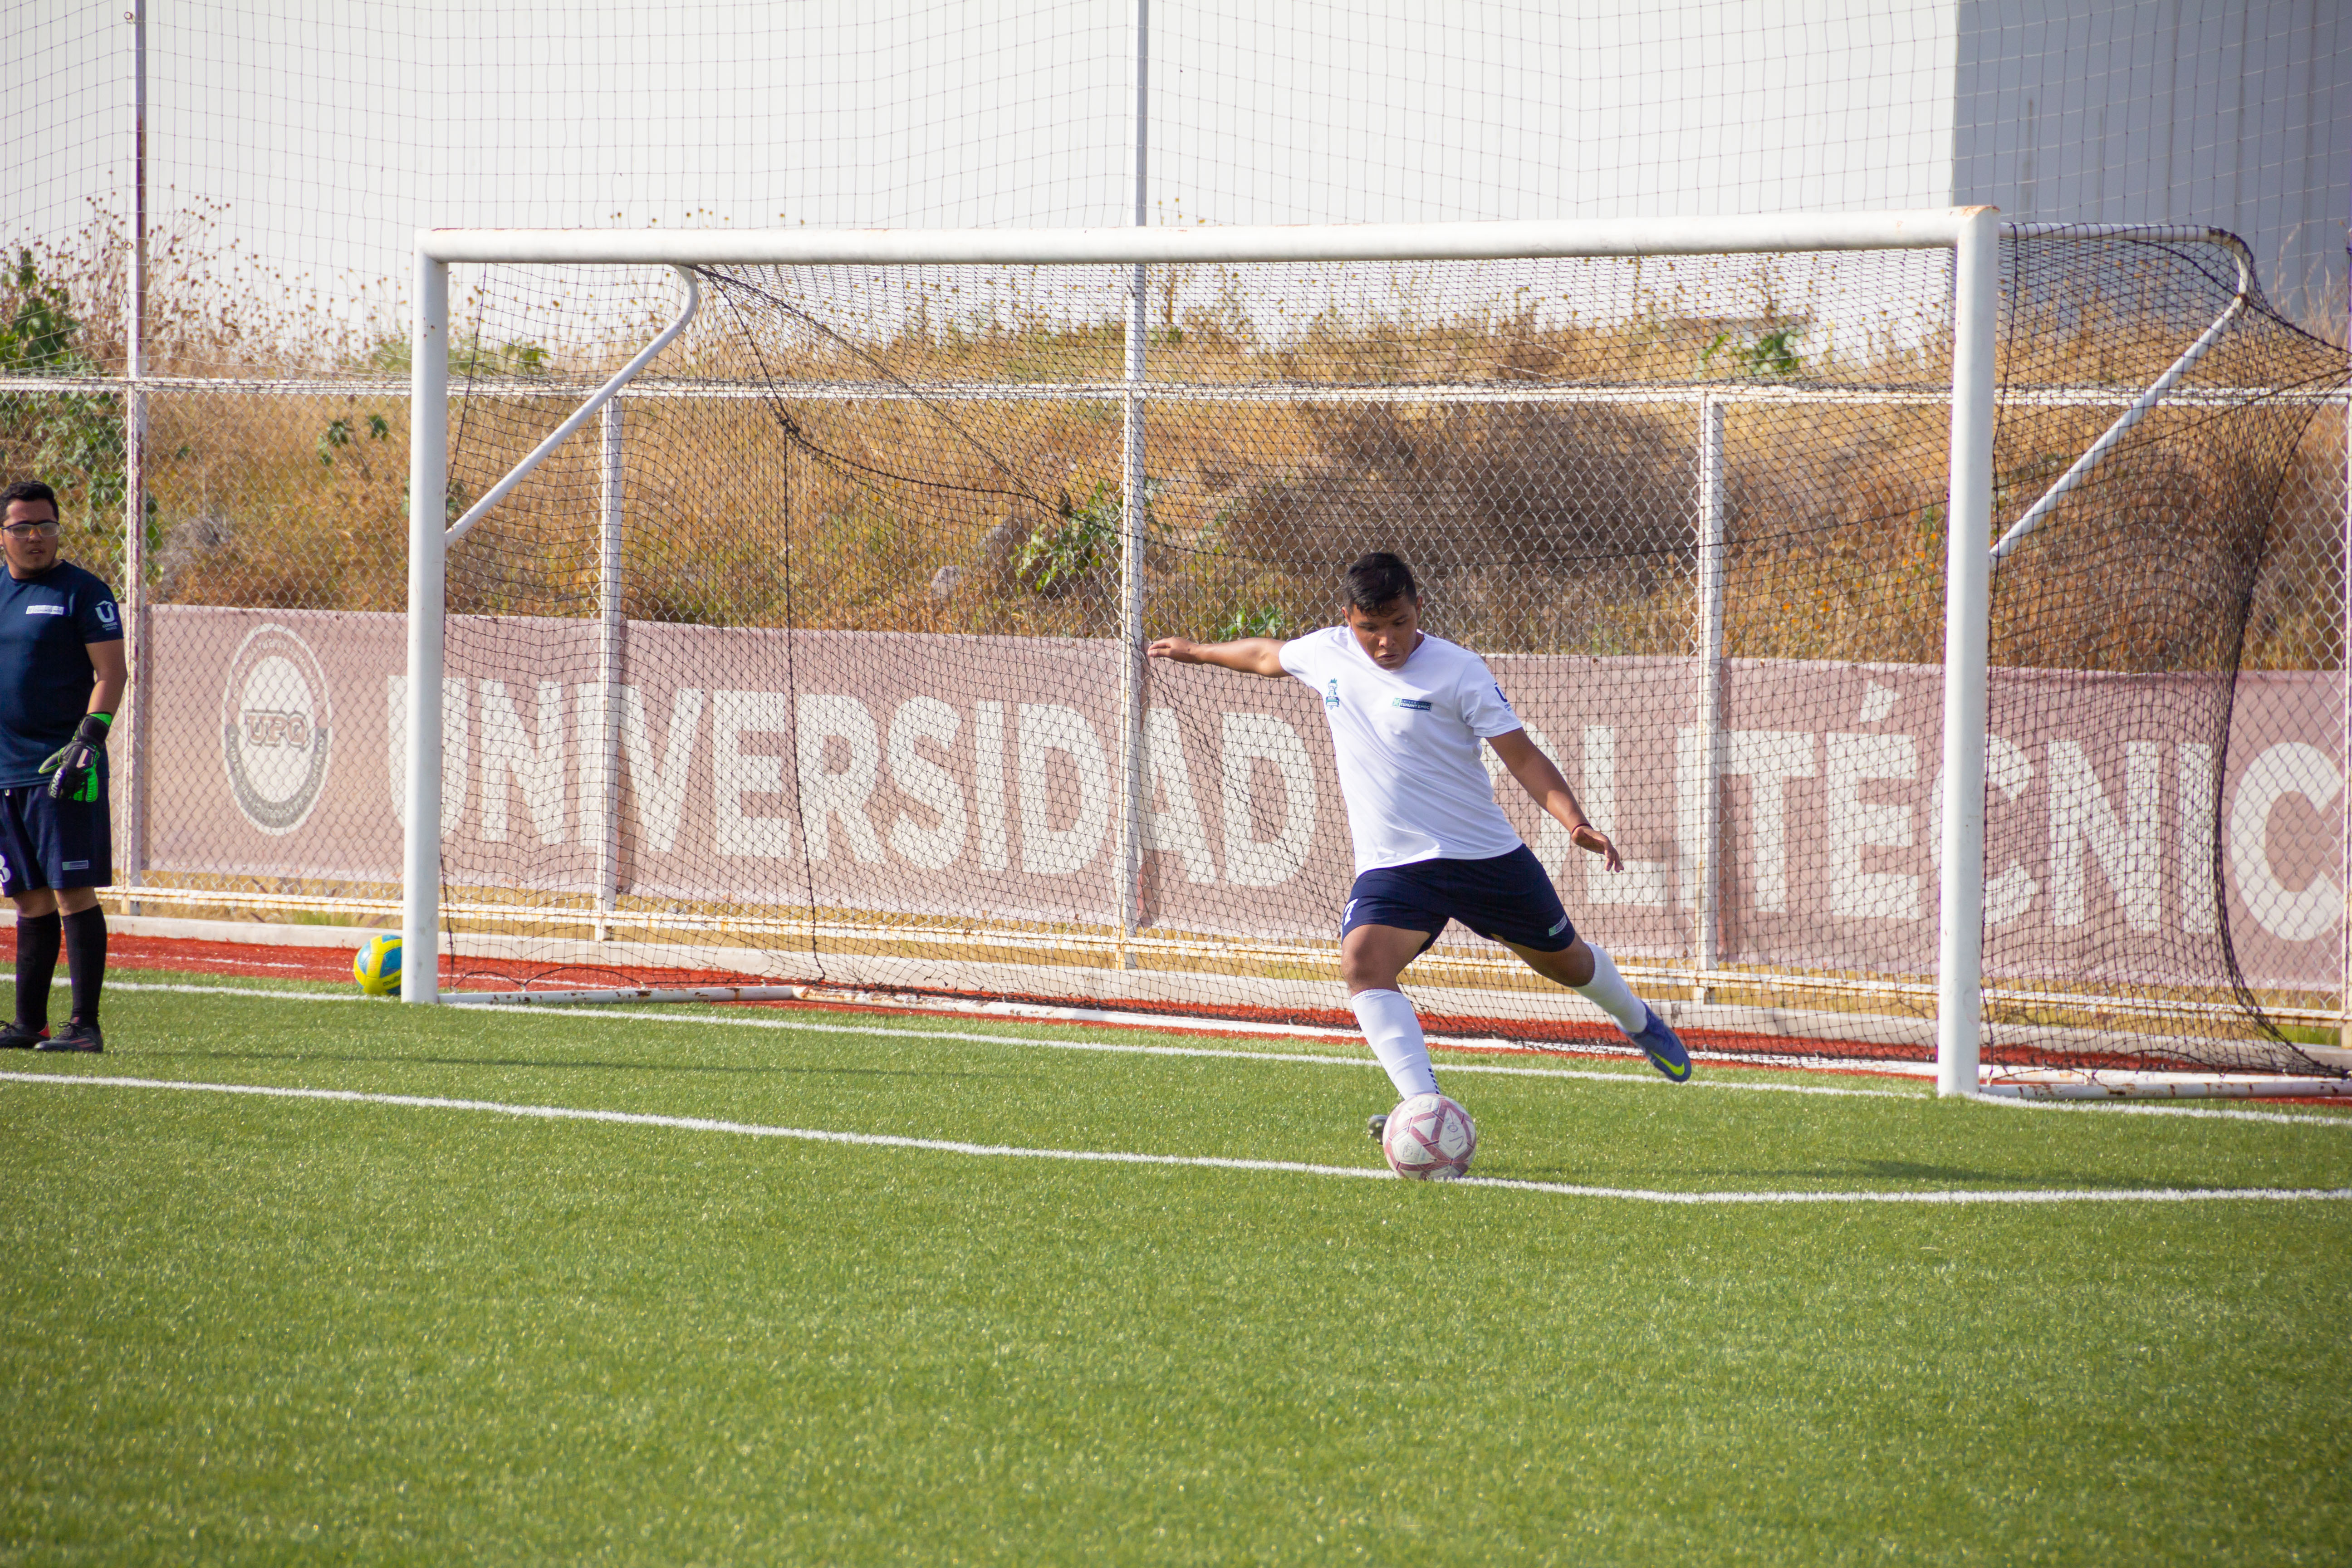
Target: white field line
[
  {"x": 1197, "y": 1162},
  {"x": 1638, "y": 1080},
  {"x": 1495, "y": 1069},
  {"x": 1337, "y": 1037},
  {"x": 227, "y": 991},
  {"x": 600, "y": 1014},
  {"x": 2129, "y": 1108}
]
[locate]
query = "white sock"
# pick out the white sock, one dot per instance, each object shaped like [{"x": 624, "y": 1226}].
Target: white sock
[
  {"x": 1608, "y": 989},
  {"x": 1393, "y": 1028}
]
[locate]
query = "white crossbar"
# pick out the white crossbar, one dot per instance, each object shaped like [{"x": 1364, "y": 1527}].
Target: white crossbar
[{"x": 1925, "y": 229}]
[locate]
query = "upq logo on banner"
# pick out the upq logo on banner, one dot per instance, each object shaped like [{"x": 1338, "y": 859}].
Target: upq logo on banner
[
  {"x": 274, "y": 729},
  {"x": 978, "y": 777}
]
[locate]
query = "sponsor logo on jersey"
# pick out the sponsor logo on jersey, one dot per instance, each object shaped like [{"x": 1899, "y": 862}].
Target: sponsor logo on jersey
[
  {"x": 1498, "y": 695},
  {"x": 45, "y": 609},
  {"x": 1558, "y": 927},
  {"x": 76, "y": 866},
  {"x": 274, "y": 729},
  {"x": 106, "y": 612},
  {"x": 1418, "y": 704}
]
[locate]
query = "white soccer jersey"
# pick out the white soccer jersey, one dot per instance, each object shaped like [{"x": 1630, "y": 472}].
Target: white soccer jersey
[{"x": 1407, "y": 743}]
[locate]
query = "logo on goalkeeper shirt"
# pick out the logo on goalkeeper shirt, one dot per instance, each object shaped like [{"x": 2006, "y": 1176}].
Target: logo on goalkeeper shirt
[{"x": 274, "y": 729}]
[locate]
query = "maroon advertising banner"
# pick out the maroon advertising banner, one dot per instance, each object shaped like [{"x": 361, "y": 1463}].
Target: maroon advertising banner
[{"x": 980, "y": 778}]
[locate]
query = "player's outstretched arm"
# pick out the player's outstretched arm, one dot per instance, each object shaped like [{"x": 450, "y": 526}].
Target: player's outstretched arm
[
  {"x": 1548, "y": 789},
  {"x": 1250, "y": 656}
]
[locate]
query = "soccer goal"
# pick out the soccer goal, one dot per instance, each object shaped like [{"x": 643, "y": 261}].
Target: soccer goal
[{"x": 795, "y": 647}]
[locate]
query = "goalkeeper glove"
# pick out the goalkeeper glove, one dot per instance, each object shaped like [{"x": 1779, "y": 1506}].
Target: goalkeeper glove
[{"x": 75, "y": 765}]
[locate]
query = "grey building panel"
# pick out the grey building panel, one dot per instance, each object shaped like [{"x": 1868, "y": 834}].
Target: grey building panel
[{"x": 2232, "y": 112}]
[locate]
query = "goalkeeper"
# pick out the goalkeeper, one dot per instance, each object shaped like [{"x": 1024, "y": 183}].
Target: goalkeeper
[
  {"x": 1407, "y": 711},
  {"x": 61, "y": 677}
]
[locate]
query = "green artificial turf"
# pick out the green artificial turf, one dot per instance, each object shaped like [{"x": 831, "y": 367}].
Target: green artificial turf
[{"x": 243, "y": 1329}]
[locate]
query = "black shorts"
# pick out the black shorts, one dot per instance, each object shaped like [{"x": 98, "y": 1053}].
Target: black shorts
[
  {"x": 1508, "y": 898},
  {"x": 57, "y": 844}
]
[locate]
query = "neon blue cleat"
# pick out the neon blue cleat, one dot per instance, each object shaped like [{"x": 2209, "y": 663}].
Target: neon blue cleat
[{"x": 1661, "y": 1045}]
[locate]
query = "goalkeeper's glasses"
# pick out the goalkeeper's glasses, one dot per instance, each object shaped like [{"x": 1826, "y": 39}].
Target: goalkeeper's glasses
[{"x": 73, "y": 767}]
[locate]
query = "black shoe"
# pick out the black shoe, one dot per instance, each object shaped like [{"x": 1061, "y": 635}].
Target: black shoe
[
  {"x": 16, "y": 1038},
  {"x": 76, "y": 1036},
  {"x": 1376, "y": 1126}
]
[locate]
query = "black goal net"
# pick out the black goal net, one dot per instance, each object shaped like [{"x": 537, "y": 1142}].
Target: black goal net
[{"x": 817, "y": 660}]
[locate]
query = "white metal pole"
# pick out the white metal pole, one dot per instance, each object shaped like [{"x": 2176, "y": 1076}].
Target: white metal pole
[
  {"x": 1194, "y": 243},
  {"x": 1140, "y": 127},
  {"x": 613, "y": 628},
  {"x": 1713, "y": 675},
  {"x": 586, "y": 411},
  {"x": 1959, "y": 1009},
  {"x": 2024, "y": 528},
  {"x": 2344, "y": 673},
  {"x": 428, "y": 523},
  {"x": 131, "y": 864},
  {"x": 1132, "y": 499}
]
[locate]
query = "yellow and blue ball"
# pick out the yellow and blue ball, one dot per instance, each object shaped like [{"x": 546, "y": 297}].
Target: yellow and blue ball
[{"x": 376, "y": 967}]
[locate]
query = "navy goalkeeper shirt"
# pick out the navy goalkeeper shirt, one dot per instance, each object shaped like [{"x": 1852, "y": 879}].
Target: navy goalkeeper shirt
[{"x": 44, "y": 674}]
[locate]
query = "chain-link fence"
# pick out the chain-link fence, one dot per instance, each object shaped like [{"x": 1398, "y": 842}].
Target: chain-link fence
[
  {"x": 1699, "y": 481},
  {"x": 805, "y": 660}
]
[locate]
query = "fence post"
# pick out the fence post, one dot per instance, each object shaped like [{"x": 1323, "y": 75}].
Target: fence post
[
  {"x": 2344, "y": 674},
  {"x": 1133, "y": 779},
  {"x": 612, "y": 630},
  {"x": 1133, "y": 498},
  {"x": 134, "y": 861},
  {"x": 1714, "y": 678}
]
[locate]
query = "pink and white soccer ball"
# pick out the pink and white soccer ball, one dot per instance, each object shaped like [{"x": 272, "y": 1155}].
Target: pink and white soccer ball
[{"x": 1429, "y": 1139}]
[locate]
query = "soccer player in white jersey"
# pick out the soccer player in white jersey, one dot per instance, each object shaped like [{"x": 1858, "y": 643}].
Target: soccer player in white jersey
[{"x": 1407, "y": 711}]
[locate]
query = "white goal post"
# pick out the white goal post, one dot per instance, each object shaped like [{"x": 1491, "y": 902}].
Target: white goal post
[{"x": 1971, "y": 234}]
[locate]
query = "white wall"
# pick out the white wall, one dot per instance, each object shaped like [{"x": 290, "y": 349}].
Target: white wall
[
  {"x": 321, "y": 137},
  {"x": 325, "y": 135}
]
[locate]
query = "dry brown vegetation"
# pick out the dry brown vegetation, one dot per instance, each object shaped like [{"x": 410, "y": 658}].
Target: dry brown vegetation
[{"x": 1541, "y": 522}]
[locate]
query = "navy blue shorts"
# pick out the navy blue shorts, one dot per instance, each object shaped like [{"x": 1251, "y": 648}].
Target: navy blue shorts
[
  {"x": 48, "y": 842},
  {"x": 1507, "y": 898}
]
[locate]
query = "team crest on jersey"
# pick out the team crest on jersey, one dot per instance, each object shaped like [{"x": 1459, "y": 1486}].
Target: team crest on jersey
[
  {"x": 1331, "y": 693},
  {"x": 275, "y": 727}
]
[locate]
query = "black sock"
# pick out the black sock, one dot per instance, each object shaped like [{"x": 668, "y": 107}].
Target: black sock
[
  {"x": 36, "y": 965},
  {"x": 85, "y": 935}
]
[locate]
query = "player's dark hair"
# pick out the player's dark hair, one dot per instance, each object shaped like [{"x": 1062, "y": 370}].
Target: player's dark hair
[
  {"x": 27, "y": 489},
  {"x": 1378, "y": 578}
]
